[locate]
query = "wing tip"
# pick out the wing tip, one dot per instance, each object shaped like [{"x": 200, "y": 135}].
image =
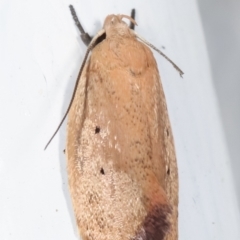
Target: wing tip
[{"x": 156, "y": 224}]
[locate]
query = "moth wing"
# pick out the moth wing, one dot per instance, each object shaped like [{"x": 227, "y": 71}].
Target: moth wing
[{"x": 120, "y": 148}]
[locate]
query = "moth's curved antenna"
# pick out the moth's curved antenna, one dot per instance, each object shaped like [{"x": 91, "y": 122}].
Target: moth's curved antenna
[
  {"x": 90, "y": 47},
  {"x": 160, "y": 52},
  {"x": 84, "y": 36}
]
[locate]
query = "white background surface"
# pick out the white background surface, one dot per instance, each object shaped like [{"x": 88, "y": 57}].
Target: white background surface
[
  {"x": 40, "y": 55},
  {"x": 221, "y": 21}
]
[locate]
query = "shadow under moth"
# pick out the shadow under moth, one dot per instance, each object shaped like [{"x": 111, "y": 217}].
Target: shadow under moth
[{"x": 122, "y": 168}]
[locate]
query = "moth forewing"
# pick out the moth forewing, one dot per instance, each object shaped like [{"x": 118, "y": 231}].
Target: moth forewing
[{"x": 121, "y": 160}]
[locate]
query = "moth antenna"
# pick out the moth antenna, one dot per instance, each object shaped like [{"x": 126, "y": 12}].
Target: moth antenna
[
  {"x": 90, "y": 47},
  {"x": 84, "y": 36},
  {"x": 160, "y": 52},
  {"x": 133, "y": 12}
]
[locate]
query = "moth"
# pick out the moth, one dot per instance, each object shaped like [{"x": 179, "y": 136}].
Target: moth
[{"x": 122, "y": 169}]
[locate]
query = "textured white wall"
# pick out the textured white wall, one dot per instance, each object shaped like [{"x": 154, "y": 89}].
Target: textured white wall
[
  {"x": 221, "y": 21},
  {"x": 40, "y": 55}
]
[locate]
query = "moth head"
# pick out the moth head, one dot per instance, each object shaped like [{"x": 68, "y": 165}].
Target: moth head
[{"x": 114, "y": 25}]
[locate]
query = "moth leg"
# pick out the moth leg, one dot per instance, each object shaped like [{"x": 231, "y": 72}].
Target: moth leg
[
  {"x": 131, "y": 25},
  {"x": 84, "y": 36}
]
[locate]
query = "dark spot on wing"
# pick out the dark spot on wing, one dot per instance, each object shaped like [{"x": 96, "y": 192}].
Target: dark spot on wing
[
  {"x": 97, "y": 129},
  {"x": 102, "y": 171},
  {"x": 155, "y": 225}
]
